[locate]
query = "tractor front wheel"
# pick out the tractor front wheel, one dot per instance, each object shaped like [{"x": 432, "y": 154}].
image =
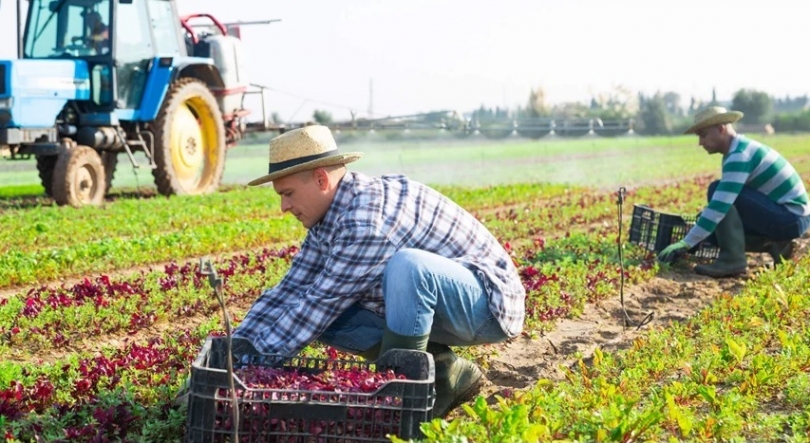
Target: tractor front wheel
[
  {"x": 189, "y": 140},
  {"x": 79, "y": 178},
  {"x": 46, "y": 164}
]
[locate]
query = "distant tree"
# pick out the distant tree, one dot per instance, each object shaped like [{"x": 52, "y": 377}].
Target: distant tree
[
  {"x": 790, "y": 104},
  {"x": 618, "y": 103},
  {"x": 322, "y": 117},
  {"x": 756, "y": 105},
  {"x": 694, "y": 105},
  {"x": 796, "y": 121},
  {"x": 672, "y": 101},
  {"x": 570, "y": 110},
  {"x": 714, "y": 101},
  {"x": 484, "y": 113},
  {"x": 537, "y": 106},
  {"x": 653, "y": 115}
]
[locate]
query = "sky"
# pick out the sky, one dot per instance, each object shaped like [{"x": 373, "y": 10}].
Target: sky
[{"x": 402, "y": 57}]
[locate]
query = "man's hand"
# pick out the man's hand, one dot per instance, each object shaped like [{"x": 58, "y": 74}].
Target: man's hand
[{"x": 671, "y": 252}]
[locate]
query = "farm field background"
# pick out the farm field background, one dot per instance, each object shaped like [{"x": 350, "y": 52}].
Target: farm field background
[
  {"x": 102, "y": 309},
  {"x": 474, "y": 161}
]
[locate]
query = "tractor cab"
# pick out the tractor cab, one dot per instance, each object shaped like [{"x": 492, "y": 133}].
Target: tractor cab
[{"x": 117, "y": 40}]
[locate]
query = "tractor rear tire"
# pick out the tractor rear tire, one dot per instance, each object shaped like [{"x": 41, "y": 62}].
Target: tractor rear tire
[
  {"x": 79, "y": 178},
  {"x": 45, "y": 165},
  {"x": 189, "y": 140}
]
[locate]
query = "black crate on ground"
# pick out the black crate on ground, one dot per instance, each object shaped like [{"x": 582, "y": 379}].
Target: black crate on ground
[
  {"x": 276, "y": 415},
  {"x": 655, "y": 230}
]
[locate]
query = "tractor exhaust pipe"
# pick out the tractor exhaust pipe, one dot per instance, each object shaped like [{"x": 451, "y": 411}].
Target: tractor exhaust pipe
[
  {"x": 99, "y": 137},
  {"x": 19, "y": 30}
]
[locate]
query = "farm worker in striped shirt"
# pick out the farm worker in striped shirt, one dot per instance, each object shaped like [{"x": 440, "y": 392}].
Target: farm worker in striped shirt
[
  {"x": 760, "y": 203},
  {"x": 386, "y": 263}
]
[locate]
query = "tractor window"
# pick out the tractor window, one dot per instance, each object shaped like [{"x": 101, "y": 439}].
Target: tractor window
[
  {"x": 165, "y": 27},
  {"x": 133, "y": 33},
  {"x": 133, "y": 52},
  {"x": 59, "y": 28},
  {"x": 40, "y": 34}
]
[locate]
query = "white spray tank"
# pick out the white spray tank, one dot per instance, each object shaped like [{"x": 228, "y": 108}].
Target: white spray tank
[{"x": 228, "y": 54}]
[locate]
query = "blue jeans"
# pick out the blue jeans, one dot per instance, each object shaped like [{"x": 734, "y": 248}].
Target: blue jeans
[
  {"x": 762, "y": 216},
  {"x": 424, "y": 293}
]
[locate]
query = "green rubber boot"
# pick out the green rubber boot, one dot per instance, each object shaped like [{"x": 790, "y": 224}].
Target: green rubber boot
[
  {"x": 392, "y": 340},
  {"x": 782, "y": 250},
  {"x": 457, "y": 379},
  {"x": 731, "y": 239},
  {"x": 779, "y": 250}
]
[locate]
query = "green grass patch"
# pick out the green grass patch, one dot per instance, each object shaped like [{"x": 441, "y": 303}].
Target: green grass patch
[{"x": 13, "y": 191}]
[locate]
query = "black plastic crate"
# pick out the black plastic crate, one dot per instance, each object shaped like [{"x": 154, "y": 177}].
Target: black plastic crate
[
  {"x": 284, "y": 415},
  {"x": 655, "y": 230}
]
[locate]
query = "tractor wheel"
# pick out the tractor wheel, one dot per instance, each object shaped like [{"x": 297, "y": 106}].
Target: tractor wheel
[
  {"x": 110, "y": 160},
  {"x": 189, "y": 140},
  {"x": 45, "y": 166},
  {"x": 79, "y": 178}
]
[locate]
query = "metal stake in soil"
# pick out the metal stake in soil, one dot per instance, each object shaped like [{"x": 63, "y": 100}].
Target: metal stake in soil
[
  {"x": 206, "y": 268},
  {"x": 627, "y": 321}
]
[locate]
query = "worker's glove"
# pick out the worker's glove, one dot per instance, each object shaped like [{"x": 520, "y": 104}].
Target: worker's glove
[{"x": 673, "y": 251}]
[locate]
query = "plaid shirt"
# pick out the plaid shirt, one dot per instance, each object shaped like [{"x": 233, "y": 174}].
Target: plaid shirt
[{"x": 342, "y": 259}]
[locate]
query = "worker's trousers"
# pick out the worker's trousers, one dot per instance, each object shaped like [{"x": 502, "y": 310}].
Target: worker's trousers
[
  {"x": 424, "y": 294},
  {"x": 762, "y": 216}
]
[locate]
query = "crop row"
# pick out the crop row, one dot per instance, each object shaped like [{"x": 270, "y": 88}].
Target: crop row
[
  {"x": 243, "y": 225},
  {"x": 56, "y": 317},
  {"x": 49, "y": 227},
  {"x": 52, "y": 243}
]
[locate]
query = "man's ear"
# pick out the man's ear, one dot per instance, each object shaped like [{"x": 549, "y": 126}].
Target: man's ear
[{"x": 322, "y": 179}]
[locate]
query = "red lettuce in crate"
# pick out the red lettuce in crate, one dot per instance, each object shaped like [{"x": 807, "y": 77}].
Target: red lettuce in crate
[
  {"x": 298, "y": 385},
  {"x": 337, "y": 386}
]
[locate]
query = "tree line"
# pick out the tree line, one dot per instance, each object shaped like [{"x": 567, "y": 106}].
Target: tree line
[{"x": 663, "y": 112}]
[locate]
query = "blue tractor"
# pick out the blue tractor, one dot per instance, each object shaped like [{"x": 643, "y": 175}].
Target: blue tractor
[{"x": 97, "y": 78}]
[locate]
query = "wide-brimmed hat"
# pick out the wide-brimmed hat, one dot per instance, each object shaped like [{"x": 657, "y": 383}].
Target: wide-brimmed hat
[
  {"x": 304, "y": 148},
  {"x": 713, "y": 115}
]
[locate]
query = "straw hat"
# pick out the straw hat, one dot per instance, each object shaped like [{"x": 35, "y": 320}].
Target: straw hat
[
  {"x": 713, "y": 115},
  {"x": 304, "y": 148}
]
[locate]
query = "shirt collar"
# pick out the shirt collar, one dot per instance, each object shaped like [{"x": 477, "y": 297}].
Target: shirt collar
[{"x": 735, "y": 142}]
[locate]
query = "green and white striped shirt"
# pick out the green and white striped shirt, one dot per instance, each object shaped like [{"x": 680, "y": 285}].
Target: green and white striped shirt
[{"x": 757, "y": 166}]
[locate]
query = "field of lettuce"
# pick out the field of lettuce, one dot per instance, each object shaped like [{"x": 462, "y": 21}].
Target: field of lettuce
[{"x": 102, "y": 311}]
